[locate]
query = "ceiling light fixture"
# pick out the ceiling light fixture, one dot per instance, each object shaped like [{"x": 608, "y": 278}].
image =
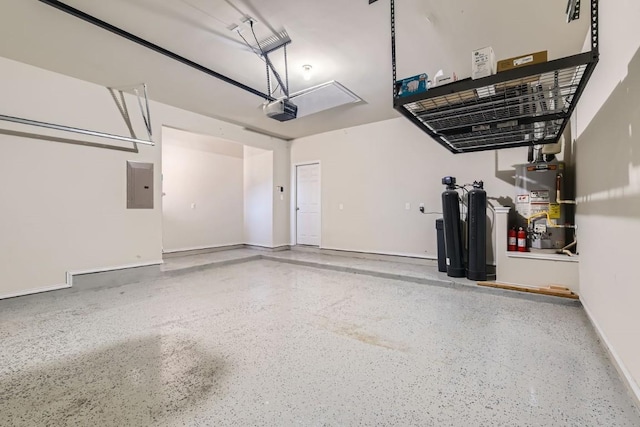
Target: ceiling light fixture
[{"x": 306, "y": 72}]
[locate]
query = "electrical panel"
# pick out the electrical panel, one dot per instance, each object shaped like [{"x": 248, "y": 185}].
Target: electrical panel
[{"x": 139, "y": 185}]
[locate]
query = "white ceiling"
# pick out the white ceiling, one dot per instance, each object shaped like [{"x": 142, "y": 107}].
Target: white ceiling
[{"x": 344, "y": 40}]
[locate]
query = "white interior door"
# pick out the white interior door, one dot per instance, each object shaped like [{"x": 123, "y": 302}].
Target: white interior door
[{"x": 308, "y": 204}]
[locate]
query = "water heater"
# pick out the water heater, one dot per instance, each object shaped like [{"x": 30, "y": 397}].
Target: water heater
[{"x": 537, "y": 186}]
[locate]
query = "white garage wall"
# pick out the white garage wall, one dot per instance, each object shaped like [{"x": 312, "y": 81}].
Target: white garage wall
[
  {"x": 608, "y": 185},
  {"x": 258, "y": 197},
  {"x": 374, "y": 170},
  {"x": 281, "y": 200},
  {"x": 202, "y": 182},
  {"x": 63, "y": 205},
  {"x": 279, "y": 167}
]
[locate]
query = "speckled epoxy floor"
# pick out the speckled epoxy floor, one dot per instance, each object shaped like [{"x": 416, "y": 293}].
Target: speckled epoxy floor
[
  {"x": 267, "y": 343},
  {"x": 390, "y": 267}
]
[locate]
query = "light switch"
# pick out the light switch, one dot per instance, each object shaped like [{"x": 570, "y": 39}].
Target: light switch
[
  {"x": 407, "y": 206},
  {"x": 341, "y": 206},
  {"x": 193, "y": 205}
]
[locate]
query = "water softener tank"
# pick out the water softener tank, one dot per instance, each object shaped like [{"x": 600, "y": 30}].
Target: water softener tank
[
  {"x": 452, "y": 229},
  {"x": 442, "y": 251},
  {"x": 477, "y": 223}
]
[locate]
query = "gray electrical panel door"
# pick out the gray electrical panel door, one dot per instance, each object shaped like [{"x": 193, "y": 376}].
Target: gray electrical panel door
[{"x": 139, "y": 185}]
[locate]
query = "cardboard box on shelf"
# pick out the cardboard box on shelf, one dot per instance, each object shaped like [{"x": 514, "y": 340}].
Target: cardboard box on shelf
[
  {"x": 413, "y": 85},
  {"x": 522, "y": 61},
  {"x": 483, "y": 63}
]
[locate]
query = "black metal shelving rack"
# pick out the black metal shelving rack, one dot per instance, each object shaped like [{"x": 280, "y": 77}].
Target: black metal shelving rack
[{"x": 519, "y": 107}]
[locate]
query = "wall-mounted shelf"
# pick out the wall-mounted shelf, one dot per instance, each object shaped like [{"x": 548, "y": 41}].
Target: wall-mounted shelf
[{"x": 518, "y": 107}]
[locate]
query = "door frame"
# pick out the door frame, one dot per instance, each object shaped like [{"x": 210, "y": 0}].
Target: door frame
[{"x": 294, "y": 199}]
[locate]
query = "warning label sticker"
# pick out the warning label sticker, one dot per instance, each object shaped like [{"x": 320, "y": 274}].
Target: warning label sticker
[
  {"x": 544, "y": 167},
  {"x": 554, "y": 211},
  {"x": 522, "y": 205},
  {"x": 539, "y": 196},
  {"x": 539, "y": 207}
]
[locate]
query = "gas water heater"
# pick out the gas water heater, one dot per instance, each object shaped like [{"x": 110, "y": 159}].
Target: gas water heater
[{"x": 538, "y": 191}]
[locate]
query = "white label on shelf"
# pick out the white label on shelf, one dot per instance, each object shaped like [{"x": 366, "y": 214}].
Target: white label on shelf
[{"x": 523, "y": 60}]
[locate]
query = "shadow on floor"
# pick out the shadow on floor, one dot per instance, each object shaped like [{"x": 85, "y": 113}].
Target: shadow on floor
[{"x": 132, "y": 383}]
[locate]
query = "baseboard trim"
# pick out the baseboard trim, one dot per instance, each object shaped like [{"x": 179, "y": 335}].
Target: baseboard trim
[
  {"x": 627, "y": 379},
  {"x": 367, "y": 254},
  {"x": 491, "y": 268},
  {"x": 36, "y": 291},
  {"x": 69, "y": 278},
  {"x": 216, "y": 264},
  {"x": 71, "y": 274},
  {"x": 200, "y": 250},
  {"x": 267, "y": 248}
]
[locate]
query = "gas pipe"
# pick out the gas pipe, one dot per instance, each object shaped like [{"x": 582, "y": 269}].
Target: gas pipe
[
  {"x": 522, "y": 240},
  {"x": 513, "y": 240}
]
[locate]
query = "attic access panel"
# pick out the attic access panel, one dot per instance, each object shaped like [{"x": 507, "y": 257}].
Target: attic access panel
[
  {"x": 323, "y": 97},
  {"x": 514, "y": 108}
]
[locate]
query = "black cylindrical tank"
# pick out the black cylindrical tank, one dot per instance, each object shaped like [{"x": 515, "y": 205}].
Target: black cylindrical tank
[
  {"x": 453, "y": 233},
  {"x": 477, "y": 222},
  {"x": 442, "y": 252}
]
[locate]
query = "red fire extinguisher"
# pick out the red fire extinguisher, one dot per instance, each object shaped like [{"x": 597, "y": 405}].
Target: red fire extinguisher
[
  {"x": 513, "y": 240},
  {"x": 522, "y": 240}
]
